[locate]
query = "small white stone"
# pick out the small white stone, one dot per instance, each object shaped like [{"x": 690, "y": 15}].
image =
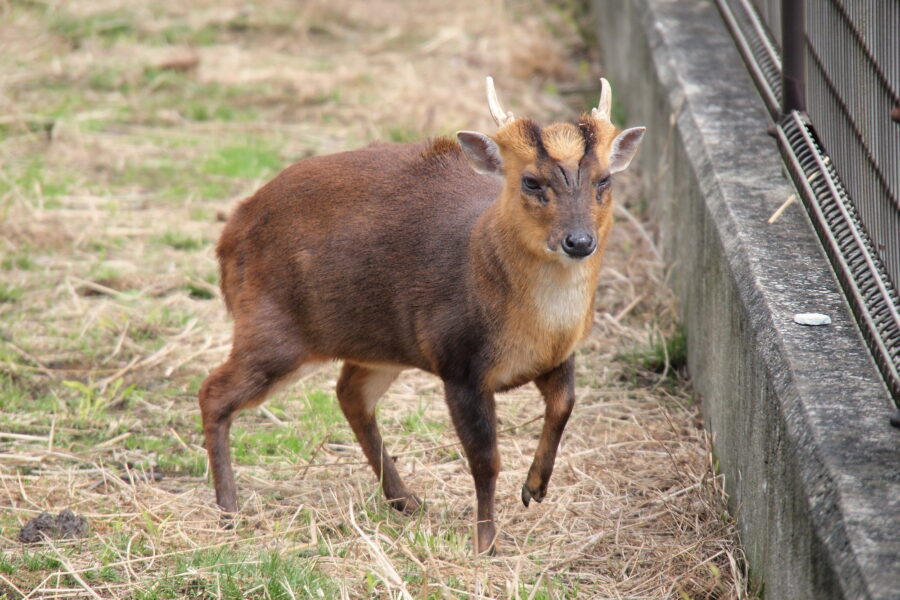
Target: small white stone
[{"x": 812, "y": 319}]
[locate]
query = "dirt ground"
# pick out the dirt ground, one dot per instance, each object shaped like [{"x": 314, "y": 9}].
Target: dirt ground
[{"x": 127, "y": 131}]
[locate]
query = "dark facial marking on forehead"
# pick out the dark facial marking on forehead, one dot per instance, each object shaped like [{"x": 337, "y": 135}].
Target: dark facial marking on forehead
[
  {"x": 533, "y": 133},
  {"x": 587, "y": 164},
  {"x": 589, "y": 133},
  {"x": 565, "y": 177}
]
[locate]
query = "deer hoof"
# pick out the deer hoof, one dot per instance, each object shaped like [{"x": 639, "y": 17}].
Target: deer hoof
[
  {"x": 409, "y": 505},
  {"x": 528, "y": 495}
]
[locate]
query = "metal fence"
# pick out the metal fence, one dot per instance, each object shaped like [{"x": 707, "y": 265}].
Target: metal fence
[
  {"x": 832, "y": 69},
  {"x": 853, "y": 84}
]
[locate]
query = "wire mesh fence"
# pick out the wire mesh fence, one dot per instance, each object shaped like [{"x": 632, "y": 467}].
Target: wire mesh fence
[
  {"x": 853, "y": 84},
  {"x": 836, "y": 65}
]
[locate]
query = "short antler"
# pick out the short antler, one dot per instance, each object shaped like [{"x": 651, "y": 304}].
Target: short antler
[
  {"x": 603, "y": 110},
  {"x": 501, "y": 117}
]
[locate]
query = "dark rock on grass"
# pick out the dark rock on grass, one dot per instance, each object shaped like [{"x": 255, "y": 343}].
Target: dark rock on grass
[{"x": 65, "y": 525}]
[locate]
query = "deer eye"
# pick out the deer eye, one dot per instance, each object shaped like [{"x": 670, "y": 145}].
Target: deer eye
[
  {"x": 530, "y": 184},
  {"x": 601, "y": 185}
]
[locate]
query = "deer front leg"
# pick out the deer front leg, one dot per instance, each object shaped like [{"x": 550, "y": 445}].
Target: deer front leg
[
  {"x": 558, "y": 389},
  {"x": 475, "y": 420}
]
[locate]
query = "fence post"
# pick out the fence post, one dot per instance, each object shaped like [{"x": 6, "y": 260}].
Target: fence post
[{"x": 793, "y": 45}]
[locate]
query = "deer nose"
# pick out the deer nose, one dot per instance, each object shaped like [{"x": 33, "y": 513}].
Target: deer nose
[{"x": 579, "y": 244}]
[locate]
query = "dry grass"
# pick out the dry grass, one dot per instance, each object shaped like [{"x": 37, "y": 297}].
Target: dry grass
[{"x": 126, "y": 129}]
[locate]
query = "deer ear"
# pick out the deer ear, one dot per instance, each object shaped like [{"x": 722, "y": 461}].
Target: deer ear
[
  {"x": 481, "y": 152},
  {"x": 624, "y": 147}
]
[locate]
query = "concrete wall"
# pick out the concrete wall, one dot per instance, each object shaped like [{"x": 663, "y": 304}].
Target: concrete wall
[{"x": 799, "y": 414}]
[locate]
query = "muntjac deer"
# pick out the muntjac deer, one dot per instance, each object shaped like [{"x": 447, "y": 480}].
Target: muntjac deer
[{"x": 475, "y": 259}]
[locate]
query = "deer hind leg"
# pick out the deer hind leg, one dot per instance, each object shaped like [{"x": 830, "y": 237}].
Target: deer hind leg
[
  {"x": 558, "y": 389},
  {"x": 358, "y": 390},
  {"x": 261, "y": 358}
]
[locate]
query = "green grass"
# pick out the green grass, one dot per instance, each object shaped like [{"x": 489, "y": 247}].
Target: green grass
[
  {"x": 549, "y": 588},
  {"x": 39, "y": 561},
  {"x": 229, "y": 575},
  {"x": 105, "y": 79},
  {"x": 182, "y": 241},
  {"x": 181, "y": 33},
  {"x": 17, "y": 397},
  {"x": 199, "y": 292},
  {"x": 9, "y": 293},
  {"x": 107, "y": 26},
  {"x": 321, "y": 410},
  {"x": 88, "y": 403},
  {"x": 158, "y": 321},
  {"x": 207, "y": 574},
  {"x": 318, "y": 419},
  {"x": 103, "y": 272},
  {"x": 255, "y": 445},
  {"x": 200, "y": 101},
  {"x": 206, "y": 111},
  {"x": 34, "y": 177},
  {"x": 7, "y": 566},
  {"x": 443, "y": 542},
  {"x": 403, "y": 134},
  {"x": 245, "y": 161},
  {"x": 414, "y": 422},
  {"x": 660, "y": 354},
  {"x": 112, "y": 26},
  {"x": 165, "y": 455},
  {"x": 21, "y": 259},
  {"x": 329, "y": 97},
  {"x": 102, "y": 575}
]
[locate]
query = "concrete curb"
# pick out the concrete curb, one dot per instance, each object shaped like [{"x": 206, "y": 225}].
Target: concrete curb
[{"x": 799, "y": 414}]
